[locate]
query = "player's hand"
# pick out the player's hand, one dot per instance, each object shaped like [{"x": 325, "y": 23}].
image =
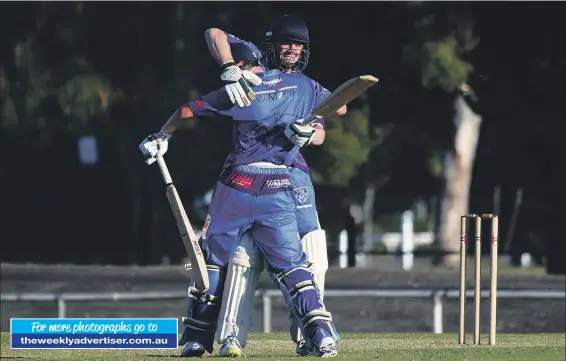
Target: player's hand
[
  {"x": 154, "y": 145},
  {"x": 252, "y": 78},
  {"x": 300, "y": 135},
  {"x": 317, "y": 126},
  {"x": 236, "y": 85}
]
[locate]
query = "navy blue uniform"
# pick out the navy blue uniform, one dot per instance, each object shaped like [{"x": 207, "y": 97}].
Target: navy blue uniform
[
  {"x": 307, "y": 217},
  {"x": 255, "y": 194}
]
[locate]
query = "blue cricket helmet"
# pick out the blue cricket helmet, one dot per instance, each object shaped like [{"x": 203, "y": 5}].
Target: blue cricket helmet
[
  {"x": 288, "y": 28},
  {"x": 244, "y": 56}
]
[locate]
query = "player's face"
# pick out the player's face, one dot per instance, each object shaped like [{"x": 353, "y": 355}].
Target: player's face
[{"x": 290, "y": 52}]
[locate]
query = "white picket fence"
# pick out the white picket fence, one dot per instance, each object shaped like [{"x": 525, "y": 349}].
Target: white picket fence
[{"x": 437, "y": 297}]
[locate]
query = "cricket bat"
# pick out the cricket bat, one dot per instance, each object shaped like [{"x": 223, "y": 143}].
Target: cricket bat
[
  {"x": 190, "y": 240},
  {"x": 344, "y": 94}
]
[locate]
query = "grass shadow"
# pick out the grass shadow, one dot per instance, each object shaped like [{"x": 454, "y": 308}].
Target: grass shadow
[{"x": 164, "y": 356}]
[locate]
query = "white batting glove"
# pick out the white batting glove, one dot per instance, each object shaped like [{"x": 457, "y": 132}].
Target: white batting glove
[
  {"x": 236, "y": 84},
  {"x": 252, "y": 78},
  {"x": 154, "y": 145},
  {"x": 300, "y": 135}
]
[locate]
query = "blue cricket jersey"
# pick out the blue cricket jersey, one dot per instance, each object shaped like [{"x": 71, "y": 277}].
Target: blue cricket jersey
[
  {"x": 300, "y": 161},
  {"x": 281, "y": 99}
]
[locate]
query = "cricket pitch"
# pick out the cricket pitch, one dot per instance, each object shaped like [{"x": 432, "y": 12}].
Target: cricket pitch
[{"x": 354, "y": 346}]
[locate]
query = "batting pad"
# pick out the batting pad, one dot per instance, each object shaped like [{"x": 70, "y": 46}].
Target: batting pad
[
  {"x": 314, "y": 246},
  {"x": 242, "y": 278}
]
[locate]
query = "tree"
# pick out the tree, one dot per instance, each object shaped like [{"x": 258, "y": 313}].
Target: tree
[
  {"x": 341, "y": 161},
  {"x": 346, "y": 147},
  {"x": 63, "y": 91},
  {"x": 48, "y": 89},
  {"x": 440, "y": 44}
]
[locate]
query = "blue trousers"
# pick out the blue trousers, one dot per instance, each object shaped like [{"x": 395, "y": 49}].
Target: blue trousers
[
  {"x": 258, "y": 200},
  {"x": 307, "y": 217}
]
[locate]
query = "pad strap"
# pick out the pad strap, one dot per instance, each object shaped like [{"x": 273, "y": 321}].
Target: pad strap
[
  {"x": 316, "y": 315},
  {"x": 302, "y": 287},
  {"x": 200, "y": 325},
  {"x": 202, "y": 298}
]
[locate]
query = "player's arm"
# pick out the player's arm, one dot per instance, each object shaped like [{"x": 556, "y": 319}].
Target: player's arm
[
  {"x": 314, "y": 133},
  {"x": 210, "y": 105},
  {"x": 219, "y": 41},
  {"x": 156, "y": 144},
  {"x": 218, "y": 45},
  {"x": 176, "y": 120},
  {"x": 237, "y": 86},
  {"x": 320, "y": 94},
  {"x": 341, "y": 111},
  {"x": 319, "y": 135}
]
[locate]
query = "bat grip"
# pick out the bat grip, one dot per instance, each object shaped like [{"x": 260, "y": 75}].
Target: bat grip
[
  {"x": 308, "y": 120},
  {"x": 164, "y": 170}
]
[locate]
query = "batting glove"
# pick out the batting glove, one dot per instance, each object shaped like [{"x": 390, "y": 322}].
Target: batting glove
[
  {"x": 300, "y": 135},
  {"x": 154, "y": 145},
  {"x": 236, "y": 83}
]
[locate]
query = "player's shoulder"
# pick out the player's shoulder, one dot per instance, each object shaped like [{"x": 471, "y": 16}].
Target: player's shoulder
[
  {"x": 277, "y": 78},
  {"x": 300, "y": 77},
  {"x": 295, "y": 75},
  {"x": 234, "y": 39},
  {"x": 218, "y": 99}
]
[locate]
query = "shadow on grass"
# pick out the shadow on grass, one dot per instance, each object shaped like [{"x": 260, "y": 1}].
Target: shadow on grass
[{"x": 163, "y": 356}]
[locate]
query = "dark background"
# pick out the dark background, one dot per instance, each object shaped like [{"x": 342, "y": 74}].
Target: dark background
[{"x": 149, "y": 58}]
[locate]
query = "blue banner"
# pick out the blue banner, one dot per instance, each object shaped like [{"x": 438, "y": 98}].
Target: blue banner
[{"x": 98, "y": 333}]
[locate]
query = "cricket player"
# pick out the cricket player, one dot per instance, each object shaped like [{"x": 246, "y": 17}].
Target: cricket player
[
  {"x": 254, "y": 195},
  {"x": 287, "y": 49}
]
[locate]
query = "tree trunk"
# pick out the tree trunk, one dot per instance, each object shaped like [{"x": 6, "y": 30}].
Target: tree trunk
[
  {"x": 369, "y": 201},
  {"x": 19, "y": 96},
  {"x": 458, "y": 176}
]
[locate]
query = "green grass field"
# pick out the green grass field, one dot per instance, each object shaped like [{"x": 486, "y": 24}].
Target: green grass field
[{"x": 355, "y": 347}]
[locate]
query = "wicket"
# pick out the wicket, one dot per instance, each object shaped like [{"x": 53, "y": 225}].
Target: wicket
[{"x": 493, "y": 276}]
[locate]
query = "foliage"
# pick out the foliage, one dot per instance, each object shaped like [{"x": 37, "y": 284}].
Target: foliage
[
  {"x": 75, "y": 55},
  {"x": 54, "y": 92},
  {"x": 438, "y": 49},
  {"x": 346, "y": 147},
  {"x": 85, "y": 95}
]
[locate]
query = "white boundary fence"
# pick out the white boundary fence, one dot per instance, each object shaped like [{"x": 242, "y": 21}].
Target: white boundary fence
[{"x": 437, "y": 297}]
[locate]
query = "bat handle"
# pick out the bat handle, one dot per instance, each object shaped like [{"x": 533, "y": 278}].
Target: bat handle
[
  {"x": 164, "y": 170},
  {"x": 308, "y": 120}
]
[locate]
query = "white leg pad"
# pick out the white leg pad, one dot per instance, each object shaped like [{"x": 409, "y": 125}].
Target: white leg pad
[
  {"x": 314, "y": 246},
  {"x": 242, "y": 278}
]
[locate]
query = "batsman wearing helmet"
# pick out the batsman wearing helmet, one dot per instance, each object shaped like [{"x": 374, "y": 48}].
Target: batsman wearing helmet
[
  {"x": 254, "y": 195},
  {"x": 287, "y": 49}
]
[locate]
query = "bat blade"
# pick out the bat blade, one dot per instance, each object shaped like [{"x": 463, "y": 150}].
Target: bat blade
[
  {"x": 344, "y": 94},
  {"x": 189, "y": 238}
]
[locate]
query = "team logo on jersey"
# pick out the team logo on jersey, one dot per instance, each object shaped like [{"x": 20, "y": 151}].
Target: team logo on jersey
[
  {"x": 278, "y": 183},
  {"x": 205, "y": 226},
  {"x": 302, "y": 196},
  {"x": 199, "y": 103},
  {"x": 273, "y": 82},
  {"x": 301, "y": 193},
  {"x": 276, "y": 95}
]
